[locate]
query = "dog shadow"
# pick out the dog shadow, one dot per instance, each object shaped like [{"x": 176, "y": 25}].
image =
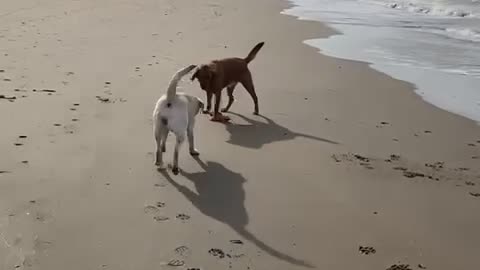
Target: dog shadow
[
  {"x": 256, "y": 134},
  {"x": 221, "y": 196}
]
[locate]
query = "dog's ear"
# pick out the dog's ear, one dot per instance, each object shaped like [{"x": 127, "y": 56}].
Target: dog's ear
[
  {"x": 196, "y": 70},
  {"x": 190, "y": 68},
  {"x": 195, "y": 75}
]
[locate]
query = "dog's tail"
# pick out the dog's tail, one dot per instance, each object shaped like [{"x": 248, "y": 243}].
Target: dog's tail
[
  {"x": 172, "y": 87},
  {"x": 254, "y": 52}
]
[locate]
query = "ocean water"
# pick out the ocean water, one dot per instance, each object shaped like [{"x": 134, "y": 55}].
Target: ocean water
[{"x": 434, "y": 44}]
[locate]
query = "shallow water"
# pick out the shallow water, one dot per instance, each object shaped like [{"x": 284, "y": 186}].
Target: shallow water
[{"x": 432, "y": 44}]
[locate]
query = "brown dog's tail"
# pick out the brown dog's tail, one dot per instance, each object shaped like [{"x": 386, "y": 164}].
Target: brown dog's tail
[{"x": 254, "y": 52}]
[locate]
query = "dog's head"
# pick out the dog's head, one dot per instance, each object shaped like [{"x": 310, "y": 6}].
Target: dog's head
[{"x": 204, "y": 74}]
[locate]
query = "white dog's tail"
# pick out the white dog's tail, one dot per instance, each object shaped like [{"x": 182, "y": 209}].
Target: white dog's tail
[{"x": 172, "y": 87}]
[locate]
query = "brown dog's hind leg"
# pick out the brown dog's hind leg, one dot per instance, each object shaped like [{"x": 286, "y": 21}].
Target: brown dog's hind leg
[
  {"x": 230, "y": 89},
  {"x": 248, "y": 84}
]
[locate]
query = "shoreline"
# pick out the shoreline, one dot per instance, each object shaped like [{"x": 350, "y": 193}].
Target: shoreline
[
  {"x": 435, "y": 85},
  {"x": 342, "y": 156}
]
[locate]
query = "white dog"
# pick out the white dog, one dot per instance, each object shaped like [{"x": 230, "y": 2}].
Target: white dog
[{"x": 175, "y": 112}]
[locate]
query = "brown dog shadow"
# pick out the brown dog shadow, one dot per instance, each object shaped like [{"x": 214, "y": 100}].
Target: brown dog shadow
[
  {"x": 256, "y": 133},
  {"x": 221, "y": 196}
]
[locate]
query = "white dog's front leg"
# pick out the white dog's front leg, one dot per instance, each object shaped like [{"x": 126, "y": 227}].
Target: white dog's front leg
[{"x": 180, "y": 139}]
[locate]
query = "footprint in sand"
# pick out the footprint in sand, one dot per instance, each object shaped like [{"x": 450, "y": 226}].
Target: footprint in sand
[
  {"x": 183, "y": 217},
  {"x": 367, "y": 250},
  {"x": 216, "y": 252},
  {"x": 238, "y": 242},
  {"x": 475, "y": 194},
  {"x": 11, "y": 99},
  {"x": 183, "y": 251},
  {"x": 399, "y": 267},
  {"x": 394, "y": 157},
  {"x": 436, "y": 165},
  {"x": 160, "y": 218},
  {"x": 176, "y": 263},
  {"x": 153, "y": 210},
  {"x": 160, "y": 185},
  {"x": 48, "y": 91},
  {"x": 103, "y": 99},
  {"x": 150, "y": 209},
  {"x": 410, "y": 174}
]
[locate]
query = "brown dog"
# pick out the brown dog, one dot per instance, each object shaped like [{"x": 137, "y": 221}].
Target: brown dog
[{"x": 218, "y": 74}]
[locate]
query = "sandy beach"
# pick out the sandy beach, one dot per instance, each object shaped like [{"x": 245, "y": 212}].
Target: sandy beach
[{"x": 345, "y": 168}]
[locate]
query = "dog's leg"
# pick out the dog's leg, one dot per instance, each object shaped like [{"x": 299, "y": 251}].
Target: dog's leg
[
  {"x": 230, "y": 89},
  {"x": 217, "y": 116},
  {"x": 248, "y": 84},
  {"x": 209, "y": 103},
  {"x": 191, "y": 143},
  {"x": 180, "y": 139},
  {"x": 160, "y": 138},
  {"x": 164, "y": 136}
]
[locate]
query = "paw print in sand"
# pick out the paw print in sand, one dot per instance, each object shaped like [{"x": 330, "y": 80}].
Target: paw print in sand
[
  {"x": 183, "y": 217},
  {"x": 366, "y": 250},
  {"x": 399, "y": 267}
]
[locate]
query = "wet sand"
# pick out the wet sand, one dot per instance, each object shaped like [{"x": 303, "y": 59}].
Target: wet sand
[{"x": 346, "y": 168}]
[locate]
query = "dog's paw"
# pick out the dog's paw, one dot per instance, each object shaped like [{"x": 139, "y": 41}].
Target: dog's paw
[
  {"x": 224, "y": 110},
  {"x": 175, "y": 170},
  {"x": 164, "y": 149},
  {"x": 194, "y": 153},
  {"x": 160, "y": 165},
  {"x": 220, "y": 118},
  {"x": 256, "y": 113},
  {"x": 206, "y": 112}
]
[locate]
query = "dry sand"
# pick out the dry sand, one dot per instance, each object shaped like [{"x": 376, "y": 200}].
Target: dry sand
[{"x": 317, "y": 181}]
